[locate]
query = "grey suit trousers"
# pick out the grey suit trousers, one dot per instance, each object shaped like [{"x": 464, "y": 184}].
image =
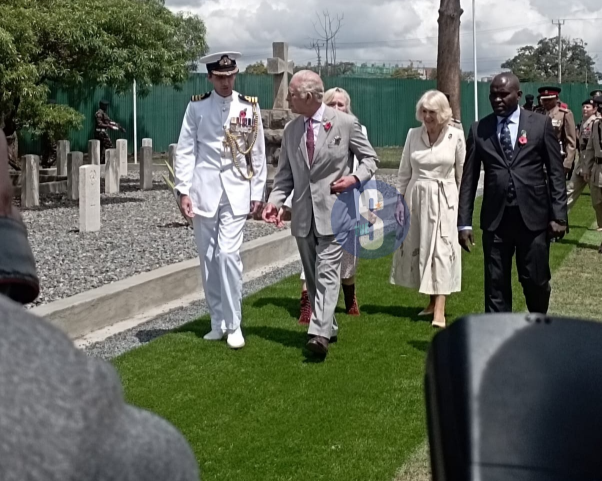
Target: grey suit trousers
[{"x": 321, "y": 257}]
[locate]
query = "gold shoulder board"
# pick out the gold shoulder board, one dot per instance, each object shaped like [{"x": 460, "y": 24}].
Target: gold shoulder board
[
  {"x": 251, "y": 100},
  {"x": 196, "y": 98}
]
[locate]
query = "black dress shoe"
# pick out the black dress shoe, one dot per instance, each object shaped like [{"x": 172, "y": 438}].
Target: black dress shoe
[
  {"x": 332, "y": 340},
  {"x": 318, "y": 345}
]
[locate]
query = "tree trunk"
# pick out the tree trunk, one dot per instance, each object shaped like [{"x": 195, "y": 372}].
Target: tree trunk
[
  {"x": 448, "y": 53},
  {"x": 13, "y": 151}
]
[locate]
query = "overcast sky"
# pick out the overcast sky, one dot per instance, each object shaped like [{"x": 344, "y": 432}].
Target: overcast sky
[{"x": 392, "y": 31}]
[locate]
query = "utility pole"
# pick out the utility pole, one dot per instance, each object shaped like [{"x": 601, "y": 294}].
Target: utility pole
[
  {"x": 560, "y": 23},
  {"x": 474, "y": 55}
]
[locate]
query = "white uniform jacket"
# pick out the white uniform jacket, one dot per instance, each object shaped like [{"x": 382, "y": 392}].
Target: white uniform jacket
[{"x": 204, "y": 168}]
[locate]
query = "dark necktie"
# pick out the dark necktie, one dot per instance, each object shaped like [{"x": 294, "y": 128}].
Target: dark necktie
[
  {"x": 310, "y": 143},
  {"x": 508, "y": 148},
  {"x": 506, "y": 140}
]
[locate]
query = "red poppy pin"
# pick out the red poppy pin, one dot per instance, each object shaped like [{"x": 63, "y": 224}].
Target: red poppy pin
[
  {"x": 327, "y": 126},
  {"x": 523, "y": 138}
]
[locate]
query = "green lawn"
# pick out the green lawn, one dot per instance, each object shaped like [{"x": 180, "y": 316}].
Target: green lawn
[
  {"x": 269, "y": 413},
  {"x": 389, "y": 157}
]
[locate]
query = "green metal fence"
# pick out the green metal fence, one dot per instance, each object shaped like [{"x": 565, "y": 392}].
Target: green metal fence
[{"x": 385, "y": 106}]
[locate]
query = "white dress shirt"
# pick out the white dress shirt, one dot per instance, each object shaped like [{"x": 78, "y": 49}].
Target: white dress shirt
[{"x": 513, "y": 120}]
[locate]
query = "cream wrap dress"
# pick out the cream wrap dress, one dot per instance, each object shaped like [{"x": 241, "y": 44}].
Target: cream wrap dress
[{"x": 429, "y": 179}]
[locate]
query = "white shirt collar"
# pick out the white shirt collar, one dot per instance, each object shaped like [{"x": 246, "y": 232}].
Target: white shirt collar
[
  {"x": 513, "y": 118},
  {"x": 317, "y": 117},
  {"x": 221, "y": 99}
]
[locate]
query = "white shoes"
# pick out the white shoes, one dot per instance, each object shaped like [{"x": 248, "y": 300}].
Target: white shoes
[
  {"x": 215, "y": 335},
  {"x": 236, "y": 339}
]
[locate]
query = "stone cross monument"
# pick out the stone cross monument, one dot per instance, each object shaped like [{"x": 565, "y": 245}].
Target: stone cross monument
[{"x": 280, "y": 67}]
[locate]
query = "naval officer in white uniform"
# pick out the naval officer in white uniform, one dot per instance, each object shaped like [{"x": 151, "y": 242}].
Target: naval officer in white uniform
[{"x": 220, "y": 170}]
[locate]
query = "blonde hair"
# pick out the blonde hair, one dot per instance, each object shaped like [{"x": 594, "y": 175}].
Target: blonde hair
[
  {"x": 329, "y": 97},
  {"x": 437, "y": 102},
  {"x": 309, "y": 83}
]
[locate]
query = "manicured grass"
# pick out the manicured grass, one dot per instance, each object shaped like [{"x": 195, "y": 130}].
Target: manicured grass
[
  {"x": 269, "y": 413},
  {"x": 389, "y": 157}
]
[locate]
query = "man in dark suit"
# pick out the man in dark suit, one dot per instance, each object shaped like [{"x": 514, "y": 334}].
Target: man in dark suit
[{"x": 524, "y": 199}]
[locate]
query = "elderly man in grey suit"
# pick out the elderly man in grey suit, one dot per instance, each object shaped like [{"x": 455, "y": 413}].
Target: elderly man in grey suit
[{"x": 316, "y": 161}]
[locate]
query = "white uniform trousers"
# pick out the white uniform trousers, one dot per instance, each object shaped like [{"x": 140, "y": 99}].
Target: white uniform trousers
[{"x": 218, "y": 241}]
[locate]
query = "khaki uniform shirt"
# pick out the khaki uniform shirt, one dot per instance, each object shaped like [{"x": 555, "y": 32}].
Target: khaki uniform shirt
[
  {"x": 566, "y": 133},
  {"x": 583, "y": 135},
  {"x": 593, "y": 154}
]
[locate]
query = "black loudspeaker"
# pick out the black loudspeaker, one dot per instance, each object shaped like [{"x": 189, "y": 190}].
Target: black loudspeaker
[{"x": 515, "y": 397}]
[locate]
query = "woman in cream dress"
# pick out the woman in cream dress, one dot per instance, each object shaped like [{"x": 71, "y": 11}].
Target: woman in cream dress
[
  {"x": 429, "y": 179},
  {"x": 339, "y": 99}
]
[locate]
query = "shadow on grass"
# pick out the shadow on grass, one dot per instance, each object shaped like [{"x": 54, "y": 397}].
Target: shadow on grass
[
  {"x": 285, "y": 337},
  {"x": 579, "y": 245},
  {"x": 407, "y": 312},
  {"x": 422, "y": 346},
  {"x": 291, "y": 305},
  {"x": 199, "y": 327},
  {"x": 145, "y": 336}
]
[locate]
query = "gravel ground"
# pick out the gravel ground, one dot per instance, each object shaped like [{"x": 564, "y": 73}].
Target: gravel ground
[{"x": 140, "y": 231}]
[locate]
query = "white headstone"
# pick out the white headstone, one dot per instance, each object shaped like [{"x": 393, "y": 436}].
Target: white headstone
[
  {"x": 111, "y": 172},
  {"x": 172, "y": 159},
  {"x": 64, "y": 147},
  {"x": 74, "y": 161},
  {"x": 89, "y": 198},
  {"x": 122, "y": 155},
  {"x": 94, "y": 152},
  {"x": 146, "y": 169},
  {"x": 30, "y": 182}
]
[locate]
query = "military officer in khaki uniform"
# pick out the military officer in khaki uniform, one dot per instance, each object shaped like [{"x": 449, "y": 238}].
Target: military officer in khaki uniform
[
  {"x": 563, "y": 122},
  {"x": 592, "y": 165},
  {"x": 577, "y": 183}
]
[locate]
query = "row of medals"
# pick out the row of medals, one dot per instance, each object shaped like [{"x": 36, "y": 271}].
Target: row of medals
[{"x": 239, "y": 127}]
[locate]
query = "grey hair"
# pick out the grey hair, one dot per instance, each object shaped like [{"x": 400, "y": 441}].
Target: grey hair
[
  {"x": 309, "y": 84},
  {"x": 329, "y": 96}
]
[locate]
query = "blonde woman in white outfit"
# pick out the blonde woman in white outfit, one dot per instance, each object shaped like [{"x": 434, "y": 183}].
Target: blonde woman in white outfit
[
  {"x": 339, "y": 99},
  {"x": 429, "y": 180}
]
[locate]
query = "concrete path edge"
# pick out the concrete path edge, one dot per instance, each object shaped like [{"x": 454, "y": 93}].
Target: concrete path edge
[{"x": 99, "y": 308}]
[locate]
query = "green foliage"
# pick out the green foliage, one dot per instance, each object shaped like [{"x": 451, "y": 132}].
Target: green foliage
[
  {"x": 406, "y": 73},
  {"x": 257, "y": 68},
  {"x": 540, "y": 63},
  {"x": 68, "y": 42}
]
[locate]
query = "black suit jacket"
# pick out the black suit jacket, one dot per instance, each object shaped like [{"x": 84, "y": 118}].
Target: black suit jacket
[{"x": 540, "y": 193}]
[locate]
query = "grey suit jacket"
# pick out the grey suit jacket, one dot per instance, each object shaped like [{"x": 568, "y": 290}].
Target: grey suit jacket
[{"x": 333, "y": 159}]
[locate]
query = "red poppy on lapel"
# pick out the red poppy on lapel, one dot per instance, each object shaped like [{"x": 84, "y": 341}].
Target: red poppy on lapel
[
  {"x": 327, "y": 126},
  {"x": 522, "y": 140}
]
